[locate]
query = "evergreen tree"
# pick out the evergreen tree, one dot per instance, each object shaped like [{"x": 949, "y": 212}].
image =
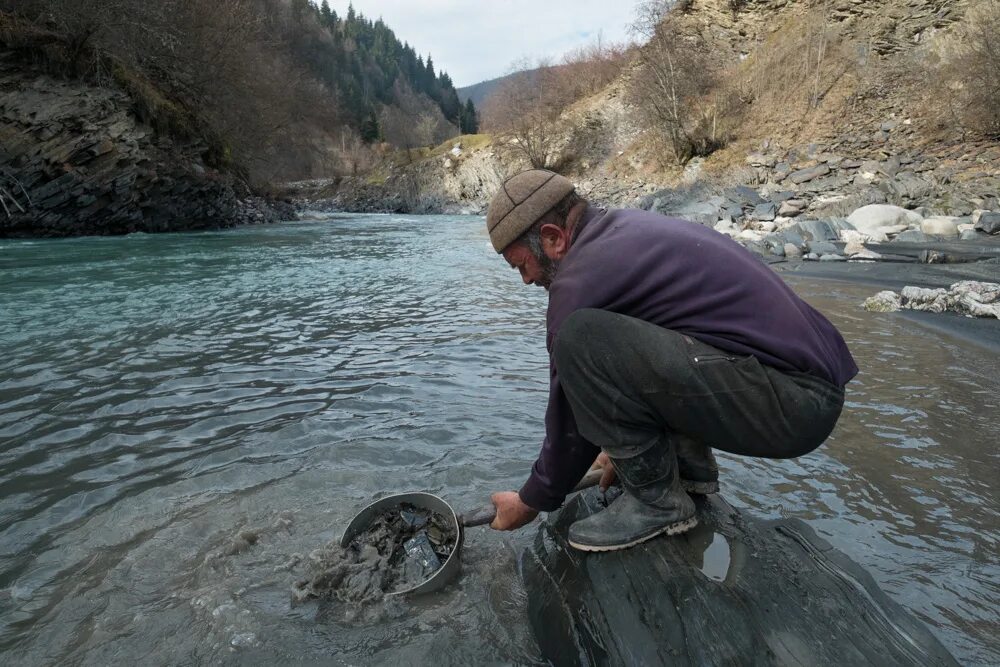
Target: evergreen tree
[
  {"x": 370, "y": 129},
  {"x": 325, "y": 13},
  {"x": 469, "y": 120}
]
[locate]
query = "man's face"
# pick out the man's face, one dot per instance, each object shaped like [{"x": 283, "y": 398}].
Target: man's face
[{"x": 534, "y": 270}]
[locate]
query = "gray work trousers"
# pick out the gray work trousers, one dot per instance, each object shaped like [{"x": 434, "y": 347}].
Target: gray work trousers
[{"x": 630, "y": 382}]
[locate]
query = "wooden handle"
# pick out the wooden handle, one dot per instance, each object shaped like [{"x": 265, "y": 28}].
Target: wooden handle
[{"x": 485, "y": 515}]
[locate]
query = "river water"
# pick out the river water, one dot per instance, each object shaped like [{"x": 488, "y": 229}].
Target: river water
[{"x": 160, "y": 395}]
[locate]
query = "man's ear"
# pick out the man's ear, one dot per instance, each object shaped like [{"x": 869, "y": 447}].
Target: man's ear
[{"x": 553, "y": 240}]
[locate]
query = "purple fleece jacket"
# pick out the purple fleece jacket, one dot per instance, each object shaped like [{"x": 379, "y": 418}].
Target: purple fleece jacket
[{"x": 680, "y": 276}]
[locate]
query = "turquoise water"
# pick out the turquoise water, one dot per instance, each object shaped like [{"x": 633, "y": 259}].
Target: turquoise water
[{"x": 159, "y": 395}]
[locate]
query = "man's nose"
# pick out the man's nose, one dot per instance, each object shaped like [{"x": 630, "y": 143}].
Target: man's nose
[{"x": 526, "y": 279}]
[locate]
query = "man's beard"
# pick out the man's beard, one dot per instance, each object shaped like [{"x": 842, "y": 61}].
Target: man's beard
[{"x": 549, "y": 268}]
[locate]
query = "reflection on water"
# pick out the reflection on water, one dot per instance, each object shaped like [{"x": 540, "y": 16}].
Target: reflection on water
[{"x": 159, "y": 395}]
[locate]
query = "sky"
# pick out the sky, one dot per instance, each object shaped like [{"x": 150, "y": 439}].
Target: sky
[{"x": 475, "y": 40}]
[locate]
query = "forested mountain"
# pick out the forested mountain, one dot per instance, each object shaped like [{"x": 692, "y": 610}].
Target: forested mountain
[
  {"x": 283, "y": 89},
  {"x": 368, "y": 66}
]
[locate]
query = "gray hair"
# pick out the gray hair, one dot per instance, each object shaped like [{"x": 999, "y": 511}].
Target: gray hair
[{"x": 557, "y": 215}]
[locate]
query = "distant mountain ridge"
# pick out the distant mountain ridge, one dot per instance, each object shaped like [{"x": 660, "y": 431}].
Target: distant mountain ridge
[{"x": 478, "y": 92}]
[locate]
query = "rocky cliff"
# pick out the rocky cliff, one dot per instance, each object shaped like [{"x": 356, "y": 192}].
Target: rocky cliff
[{"x": 76, "y": 159}]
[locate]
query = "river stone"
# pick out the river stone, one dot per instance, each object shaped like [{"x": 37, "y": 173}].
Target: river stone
[
  {"x": 970, "y": 235},
  {"x": 871, "y": 218},
  {"x": 883, "y": 302},
  {"x": 792, "y": 251},
  {"x": 832, "y": 258},
  {"x": 823, "y": 248},
  {"x": 791, "y": 207},
  {"x": 989, "y": 222},
  {"x": 814, "y": 230},
  {"x": 940, "y": 226},
  {"x": 806, "y": 175},
  {"x": 765, "y": 211}
]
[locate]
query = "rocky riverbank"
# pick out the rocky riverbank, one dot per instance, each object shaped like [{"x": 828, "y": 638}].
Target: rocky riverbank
[{"x": 76, "y": 159}]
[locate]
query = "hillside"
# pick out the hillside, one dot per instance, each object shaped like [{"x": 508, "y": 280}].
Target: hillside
[
  {"x": 789, "y": 118},
  {"x": 479, "y": 92},
  {"x": 147, "y": 116}
]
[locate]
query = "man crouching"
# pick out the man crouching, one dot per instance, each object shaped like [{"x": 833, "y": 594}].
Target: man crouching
[{"x": 666, "y": 339}]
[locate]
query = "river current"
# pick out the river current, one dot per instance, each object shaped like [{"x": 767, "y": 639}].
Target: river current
[{"x": 160, "y": 395}]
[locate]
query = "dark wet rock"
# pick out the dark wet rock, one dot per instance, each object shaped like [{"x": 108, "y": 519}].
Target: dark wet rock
[
  {"x": 819, "y": 230},
  {"x": 734, "y": 590},
  {"x": 989, "y": 223},
  {"x": 76, "y": 160},
  {"x": 808, "y": 174}
]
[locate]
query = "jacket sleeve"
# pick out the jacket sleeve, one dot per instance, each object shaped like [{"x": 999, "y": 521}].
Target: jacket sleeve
[{"x": 565, "y": 457}]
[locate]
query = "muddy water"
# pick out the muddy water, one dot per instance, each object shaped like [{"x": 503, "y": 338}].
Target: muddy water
[{"x": 183, "y": 418}]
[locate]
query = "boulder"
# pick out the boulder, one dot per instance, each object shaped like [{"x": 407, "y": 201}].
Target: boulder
[
  {"x": 765, "y": 211},
  {"x": 883, "y": 302},
  {"x": 791, "y": 207},
  {"x": 989, "y": 222},
  {"x": 940, "y": 226},
  {"x": 823, "y": 248},
  {"x": 970, "y": 235},
  {"x": 833, "y": 257},
  {"x": 806, "y": 175},
  {"x": 744, "y": 196},
  {"x": 736, "y": 589},
  {"x": 815, "y": 230},
  {"x": 873, "y": 218},
  {"x": 792, "y": 251},
  {"x": 781, "y": 196}
]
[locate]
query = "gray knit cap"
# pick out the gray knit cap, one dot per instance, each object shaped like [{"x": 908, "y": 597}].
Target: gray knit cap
[{"x": 521, "y": 201}]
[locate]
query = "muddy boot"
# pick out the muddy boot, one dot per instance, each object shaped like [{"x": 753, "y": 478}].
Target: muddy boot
[
  {"x": 653, "y": 503},
  {"x": 698, "y": 469}
]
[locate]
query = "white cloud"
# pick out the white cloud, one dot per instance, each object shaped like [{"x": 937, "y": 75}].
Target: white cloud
[{"x": 474, "y": 41}]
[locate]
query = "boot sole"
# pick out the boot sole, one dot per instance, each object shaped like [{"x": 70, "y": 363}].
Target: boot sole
[
  {"x": 699, "y": 488},
  {"x": 672, "y": 529}
]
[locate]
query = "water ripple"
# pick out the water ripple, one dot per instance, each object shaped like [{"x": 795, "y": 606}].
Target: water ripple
[{"x": 158, "y": 394}]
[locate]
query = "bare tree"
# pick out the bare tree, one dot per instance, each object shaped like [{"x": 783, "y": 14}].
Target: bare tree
[
  {"x": 669, "y": 87},
  {"x": 523, "y": 114},
  {"x": 969, "y": 76}
]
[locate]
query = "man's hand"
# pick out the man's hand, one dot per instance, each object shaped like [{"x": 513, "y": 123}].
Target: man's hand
[
  {"x": 512, "y": 513},
  {"x": 608, "y": 478}
]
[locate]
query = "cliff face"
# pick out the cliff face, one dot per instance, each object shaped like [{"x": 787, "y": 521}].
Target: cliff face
[{"x": 75, "y": 160}]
